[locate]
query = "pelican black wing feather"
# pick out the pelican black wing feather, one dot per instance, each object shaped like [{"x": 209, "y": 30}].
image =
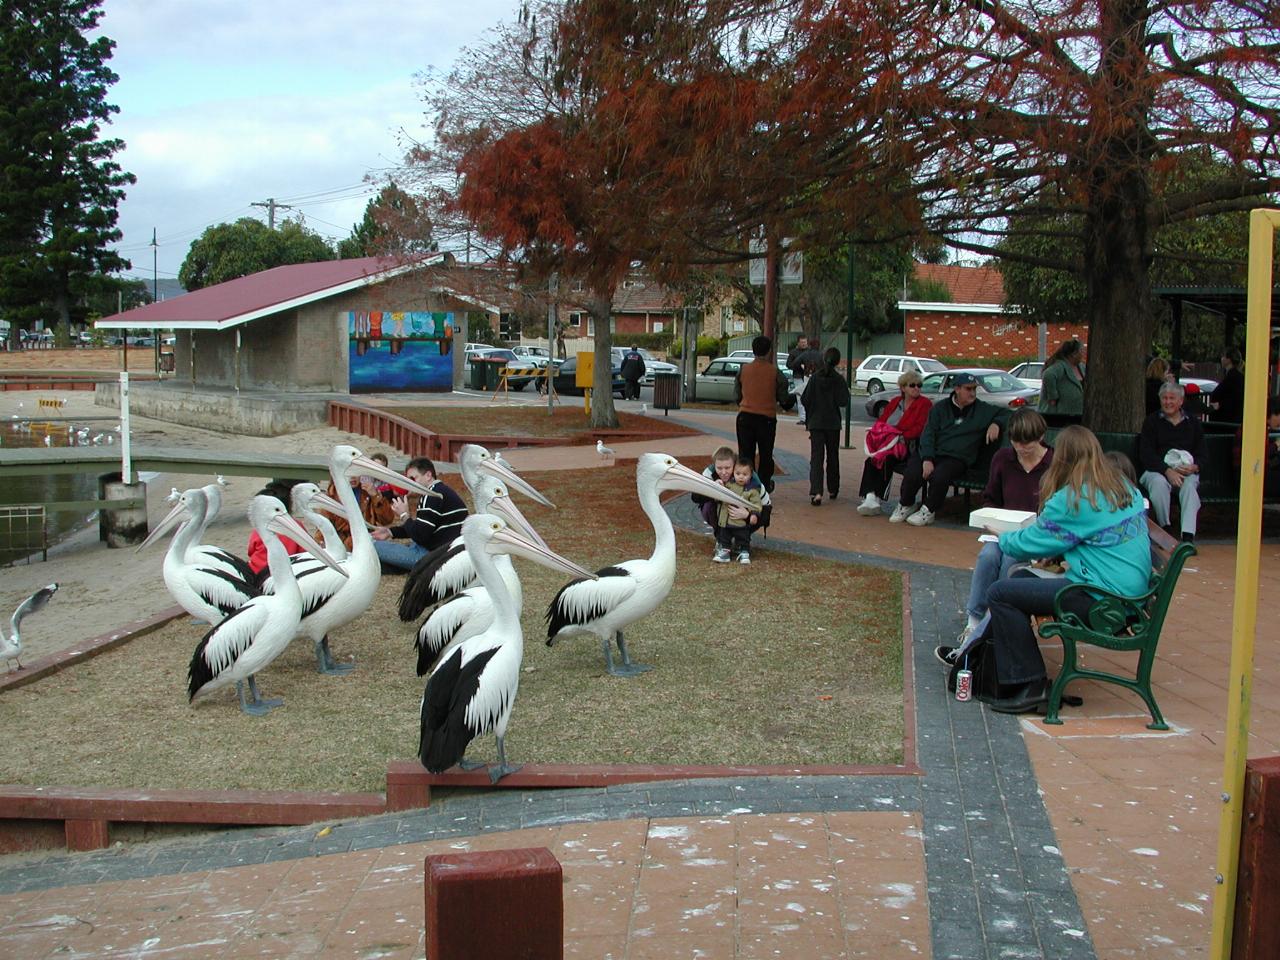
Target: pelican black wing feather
[
  {"x": 316, "y": 600},
  {"x": 445, "y": 732},
  {"x": 418, "y": 592},
  {"x": 250, "y": 588},
  {"x": 557, "y": 618},
  {"x": 241, "y": 566},
  {"x": 200, "y": 672}
]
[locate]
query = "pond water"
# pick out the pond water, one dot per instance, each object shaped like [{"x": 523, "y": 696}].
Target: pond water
[{"x": 20, "y": 535}]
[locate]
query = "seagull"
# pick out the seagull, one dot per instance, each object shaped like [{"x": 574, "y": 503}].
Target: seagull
[
  {"x": 472, "y": 690},
  {"x": 627, "y": 591},
  {"x": 48, "y": 440},
  {"x": 11, "y": 646},
  {"x": 604, "y": 451}
]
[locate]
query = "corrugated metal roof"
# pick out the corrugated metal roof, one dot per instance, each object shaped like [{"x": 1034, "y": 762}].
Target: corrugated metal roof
[{"x": 226, "y": 305}]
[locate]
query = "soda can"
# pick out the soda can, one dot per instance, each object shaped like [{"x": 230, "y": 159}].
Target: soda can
[{"x": 964, "y": 685}]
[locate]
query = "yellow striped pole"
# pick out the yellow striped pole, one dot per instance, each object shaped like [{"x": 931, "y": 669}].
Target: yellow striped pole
[{"x": 1262, "y": 228}]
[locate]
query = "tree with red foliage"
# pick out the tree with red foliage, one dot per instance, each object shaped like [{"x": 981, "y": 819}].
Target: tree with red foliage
[{"x": 1002, "y": 114}]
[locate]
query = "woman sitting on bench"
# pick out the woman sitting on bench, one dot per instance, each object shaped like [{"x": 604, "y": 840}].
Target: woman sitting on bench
[{"x": 1095, "y": 519}]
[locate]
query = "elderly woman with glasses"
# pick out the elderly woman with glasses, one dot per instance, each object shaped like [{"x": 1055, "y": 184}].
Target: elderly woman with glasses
[{"x": 889, "y": 442}]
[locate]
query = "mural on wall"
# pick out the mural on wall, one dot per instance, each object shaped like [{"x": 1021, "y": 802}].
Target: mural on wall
[{"x": 409, "y": 350}]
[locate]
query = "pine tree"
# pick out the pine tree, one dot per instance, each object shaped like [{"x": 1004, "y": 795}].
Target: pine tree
[{"x": 59, "y": 186}]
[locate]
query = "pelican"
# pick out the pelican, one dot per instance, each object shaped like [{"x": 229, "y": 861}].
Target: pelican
[
  {"x": 257, "y": 633},
  {"x": 11, "y": 646},
  {"x": 448, "y": 570},
  {"x": 304, "y": 498},
  {"x": 474, "y": 461},
  {"x": 605, "y": 452},
  {"x": 470, "y": 612},
  {"x": 628, "y": 591},
  {"x": 332, "y": 600},
  {"x": 207, "y": 582},
  {"x": 472, "y": 690}
]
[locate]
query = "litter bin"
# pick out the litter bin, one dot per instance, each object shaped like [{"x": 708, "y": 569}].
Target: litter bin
[
  {"x": 492, "y": 372},
  {"x": 666, "y": 391},
  {"x": 476, "y": 379},
  {"x": 167, "y": 364}
]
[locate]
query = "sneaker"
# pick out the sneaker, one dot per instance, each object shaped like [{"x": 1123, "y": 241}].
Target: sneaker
[
  {"x": 744, "y": 556},
  {"x": 921, "y": 518},
  {"x": 901, "y": 512},
  {"x": 870, "y": 507},
  {"x": 721, "y": 555},
  {"x": 947, "y": 655}
]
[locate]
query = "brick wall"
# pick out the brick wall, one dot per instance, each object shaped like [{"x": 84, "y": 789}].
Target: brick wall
[{"x": 945, "y": 334}]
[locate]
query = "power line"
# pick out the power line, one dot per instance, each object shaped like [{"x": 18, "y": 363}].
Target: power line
[{"x": 272, "y": 205}]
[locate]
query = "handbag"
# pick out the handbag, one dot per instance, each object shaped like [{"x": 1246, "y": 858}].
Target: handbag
[{"x": 883, "y": 441}]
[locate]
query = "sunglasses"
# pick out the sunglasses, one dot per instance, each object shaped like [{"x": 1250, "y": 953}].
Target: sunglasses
[{"x": 916, "y": 385}]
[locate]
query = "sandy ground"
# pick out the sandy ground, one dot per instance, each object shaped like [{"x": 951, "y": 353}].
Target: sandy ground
[{"x": 102, "y": 589}]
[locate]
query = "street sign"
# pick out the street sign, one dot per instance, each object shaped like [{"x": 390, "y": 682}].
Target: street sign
[{"x": 791, "y": 268}]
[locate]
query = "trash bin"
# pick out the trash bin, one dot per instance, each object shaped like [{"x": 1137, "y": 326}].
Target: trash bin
[
  {"x": 167, "y": 364},
  {"x": 666, "y": 391},
  {"x": 476, "y": 380},
  {"x": 492, "y": 373}
]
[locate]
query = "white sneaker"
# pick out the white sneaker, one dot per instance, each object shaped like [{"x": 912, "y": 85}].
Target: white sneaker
[
  {"x": 901, "y": 512},
  {"x": 870, "y": 506},
  {"x": 921, "y": 518},
  {"x": 744, "y": 556},
  {"x": 721, "y": 555}
]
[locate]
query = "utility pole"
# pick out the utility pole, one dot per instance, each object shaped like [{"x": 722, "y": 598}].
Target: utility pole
[
  {"x": 272, "y": 206},
  {"x": 155, "y": 276}
]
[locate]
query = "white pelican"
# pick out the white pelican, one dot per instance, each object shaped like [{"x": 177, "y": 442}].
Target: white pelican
[
  {"x": 11, "y": 646},
  {"x": 303, "y": 500},
  {"x": 209, "y": 583},
  {"x": 625, "y": 592},
  {"x": 472, "y": 690},
  {"x": 258, "y": 632},
  {"x": 475, "y": 461},
  {"x": 448, "y": 570},
  {"x": 332, "y": 599},
  {"x": 470, "y": 612}
]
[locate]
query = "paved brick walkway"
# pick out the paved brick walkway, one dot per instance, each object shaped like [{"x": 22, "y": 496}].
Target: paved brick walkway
[{"x": 1092, "y": 839}]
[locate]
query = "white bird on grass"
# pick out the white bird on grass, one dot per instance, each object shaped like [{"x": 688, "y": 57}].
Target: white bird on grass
[
  {"x": 11, "y": 646},
  {"x": 472, "y": 690},
  {"x": 258, "y": 632},
  {"x": 604, "y": 451},
  {"x": 628, "y": 591}
]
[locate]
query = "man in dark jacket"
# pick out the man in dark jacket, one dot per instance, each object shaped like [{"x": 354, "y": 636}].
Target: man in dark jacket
[
  {"x": 826, "y": 395},
  {"x": 952, "y": 442},
  {"x": 803, "y": 361},
  {"x": 633, "y": 368},
  {"x": 760, "y": 388},
  {"x": 1228, "y": 396},
  {"x": 1171, "y": 449}
]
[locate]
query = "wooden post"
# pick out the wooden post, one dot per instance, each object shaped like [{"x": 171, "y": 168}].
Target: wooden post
[
  {"x": 1257, "y": 921},
  {"x": 498, "y": 903}
]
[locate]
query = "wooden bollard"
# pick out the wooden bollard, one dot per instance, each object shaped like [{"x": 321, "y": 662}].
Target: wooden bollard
[
  {"x": 497, "y": 903},
  {"x": 1256, "y": 933}
]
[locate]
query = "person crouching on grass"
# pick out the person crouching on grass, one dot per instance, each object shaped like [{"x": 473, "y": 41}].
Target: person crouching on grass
[
  {"x": 735, "y": 532},
  {"x": 721, "y": 471}
]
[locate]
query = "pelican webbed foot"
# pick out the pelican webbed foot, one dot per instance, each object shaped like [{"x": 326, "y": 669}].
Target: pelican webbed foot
[
  {"x": 256, "y": 707},
  {"x": 468, "y": 765},
  {"x": 502, "y": 768},
  {"x": 326, "y": 664},
  {"x": 628, "y": 668}
]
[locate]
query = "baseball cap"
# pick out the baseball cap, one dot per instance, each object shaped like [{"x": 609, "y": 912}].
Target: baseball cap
[{"x": 964, "y": 380}]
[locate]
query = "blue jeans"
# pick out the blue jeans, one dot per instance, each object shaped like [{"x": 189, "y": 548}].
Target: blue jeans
[
  {"x": 396, "y": 554},
  {"x": 991, "y": 565}
]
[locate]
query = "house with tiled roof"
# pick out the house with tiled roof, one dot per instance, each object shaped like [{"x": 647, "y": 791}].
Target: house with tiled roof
[{"x": 974, "y": 323}]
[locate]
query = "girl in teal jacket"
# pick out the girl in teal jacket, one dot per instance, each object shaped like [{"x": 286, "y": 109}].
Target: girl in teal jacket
[{"x": 1092, "y": 517}]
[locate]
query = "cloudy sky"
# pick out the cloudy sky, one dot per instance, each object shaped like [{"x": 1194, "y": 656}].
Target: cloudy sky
[{"x": 224, "y": 103}]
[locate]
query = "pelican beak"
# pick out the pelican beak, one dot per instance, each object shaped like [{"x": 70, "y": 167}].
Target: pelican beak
[
  {"x": 362, "y": 466},
  {"x": 286, "y": 526},
  {"x": 497, "y": 467},
  {"x": 175, "y": 516},
  {"x": 680, "y": 477},
  {"x": 333, "y": 506},
  {"x": 506, "y": 508},
  {"x": 509, "y": 541}
]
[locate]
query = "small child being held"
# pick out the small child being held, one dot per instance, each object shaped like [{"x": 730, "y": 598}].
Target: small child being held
[{"x": 735, "y": 532}]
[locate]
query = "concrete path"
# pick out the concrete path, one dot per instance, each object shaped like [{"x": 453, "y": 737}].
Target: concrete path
[{"x": 1093, "y": 839}]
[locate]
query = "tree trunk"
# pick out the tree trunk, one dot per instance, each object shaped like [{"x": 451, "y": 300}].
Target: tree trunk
[
  {"x": 602, "y": 412},
  {"x": 62, "y": 307},
  {"x": 1118, "y": 236}
]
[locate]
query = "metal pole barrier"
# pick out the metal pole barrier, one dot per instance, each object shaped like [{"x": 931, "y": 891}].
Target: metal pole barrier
[
  {"x": 126, "y": 455},
  {"x": 1244, "y": 615}
]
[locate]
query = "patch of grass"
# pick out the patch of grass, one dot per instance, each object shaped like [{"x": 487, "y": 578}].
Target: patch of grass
[
  {"x": 791, "y": 660},
  {"x": 501, "y": 421}
]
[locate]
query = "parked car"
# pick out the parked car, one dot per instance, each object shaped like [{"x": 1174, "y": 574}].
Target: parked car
[
  {"x": 1029, "y": 373},
  {"x": 652, "y": 364},
  {"x": 520, "y": 372},
  {"x": 715, "y": 383},
  {"x": 881, "y": 370},
  {"x": 538, "y": 356},
  {"x": 566, "y": 375},
  {"x": 994, "y": 386},
  {"x": 747, "y": 356}
]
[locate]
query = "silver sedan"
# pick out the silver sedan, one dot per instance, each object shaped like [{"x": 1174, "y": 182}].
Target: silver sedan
[{"x": 994, "y": 386}]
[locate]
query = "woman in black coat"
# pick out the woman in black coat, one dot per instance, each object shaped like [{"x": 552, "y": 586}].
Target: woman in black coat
[{"x": 824, "y": 397}]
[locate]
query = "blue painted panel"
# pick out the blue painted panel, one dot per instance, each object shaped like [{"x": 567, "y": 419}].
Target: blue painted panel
[{"x": 400, "y": 351}]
